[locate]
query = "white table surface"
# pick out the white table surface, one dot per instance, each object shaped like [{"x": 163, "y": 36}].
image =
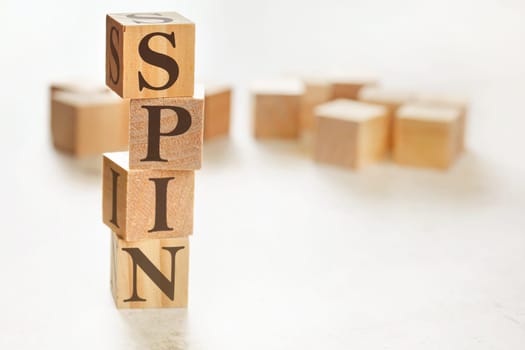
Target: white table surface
[{"x": 286, "y": 254}]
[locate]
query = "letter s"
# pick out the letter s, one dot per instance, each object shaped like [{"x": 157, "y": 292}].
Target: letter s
[
  {"x": 159, "y": 60},
  {"x": 113, "y": 33}
]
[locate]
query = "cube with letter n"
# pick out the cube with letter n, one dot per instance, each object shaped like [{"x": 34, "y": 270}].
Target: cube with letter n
[{"x": 151, "y": 273}]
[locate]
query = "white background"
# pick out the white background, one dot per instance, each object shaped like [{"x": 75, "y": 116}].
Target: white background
[{"x": 286, "y": 254}]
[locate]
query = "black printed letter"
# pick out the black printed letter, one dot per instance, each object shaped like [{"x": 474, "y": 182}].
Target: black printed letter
[
  {"x": 115, "y": 176},
  {"x": 161, "y": 211},
  {"x": 167, "y": 286},
  {"x": 159, "y": 60},
  {"x": 154, "y": 133},
  {"x": 114, "y": 34}
]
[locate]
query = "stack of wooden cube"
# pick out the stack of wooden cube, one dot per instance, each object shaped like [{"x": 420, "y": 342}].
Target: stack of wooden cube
[{"x": 148, "y": 192}]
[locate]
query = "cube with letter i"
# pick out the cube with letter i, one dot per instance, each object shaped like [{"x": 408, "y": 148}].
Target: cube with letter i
[{"x": 146, "y": 204}]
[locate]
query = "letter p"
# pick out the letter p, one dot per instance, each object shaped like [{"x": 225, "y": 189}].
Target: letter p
[{"x": 155, "y": 133}]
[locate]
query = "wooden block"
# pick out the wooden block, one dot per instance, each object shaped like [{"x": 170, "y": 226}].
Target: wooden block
[
  {"x": 84, "y": 124},
  {"x": 167, "y": 133},
  {"x": 149, "y": 274},
  {"x": 150, "y": 55},
  {"x": 388, "y": 98},
  {"x": 316, "y": 92},
  {"x": 146, "y": 204},
  {"x": 444, "y": 100},
  {"x": 217, "y": 110},
  {"x": 426, "y": 136},
  {"x": 277, "y": 105},
  {"x": 350, "y": 133}
]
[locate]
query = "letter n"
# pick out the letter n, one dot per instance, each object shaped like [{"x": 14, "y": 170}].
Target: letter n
[{"x": 165, "y": 284}]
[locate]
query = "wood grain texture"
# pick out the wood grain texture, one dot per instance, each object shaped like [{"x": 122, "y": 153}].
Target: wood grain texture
[
  {"x": 217, "y": 111},
  {"x": 276, "y": 108},
  {"x": 182, "y": 151},
  {"x": 84, "y": 124},
  {"x": 277, "y": 116},
  {"x": 124, "y": 62},
  {"x": 426, "y": 136},
  {"x": 350, "y": 134},
  {"x": 154, "y": 250},
  {"x": 133, "y": 214}
]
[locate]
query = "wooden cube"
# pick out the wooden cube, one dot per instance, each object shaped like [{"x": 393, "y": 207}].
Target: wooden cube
[
  {"x": 350, "y": 133},
  {"x": 277, "y": 105},
  {"x": 453, "y": 101},
  {"x": 146, "y": 204},
  {"x": 217, "y": 110},
  {"x": 149, "y": 274},
  {"x": 85, "y": 124},
  {"x": 426, "y": 136},
  {"x": 389, "y": 98},
  {"x": 150, "y": 55},
  {"x": 167, "y": 133}
]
